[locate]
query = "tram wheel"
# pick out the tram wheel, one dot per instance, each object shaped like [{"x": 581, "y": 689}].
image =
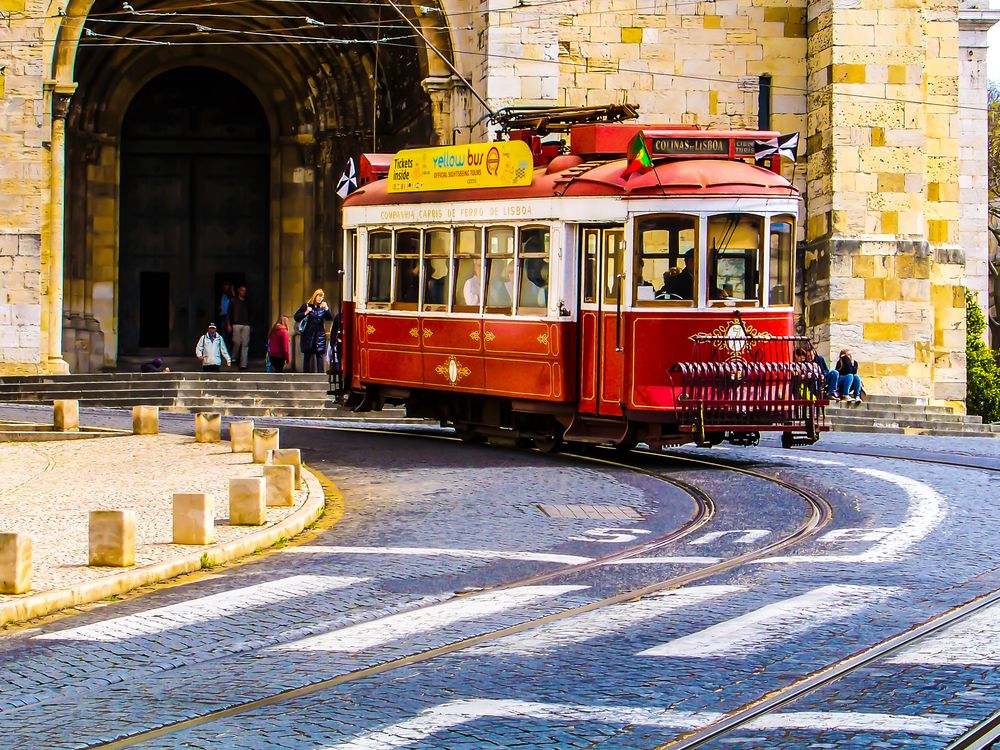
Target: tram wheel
[
  {"x": 550, "y": 444},
  {"x": 787, "y": 440},
  {"x": 626, "y": 445}
]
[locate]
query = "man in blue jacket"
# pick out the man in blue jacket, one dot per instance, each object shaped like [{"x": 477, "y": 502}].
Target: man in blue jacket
[{"x": 211, "y": 350}]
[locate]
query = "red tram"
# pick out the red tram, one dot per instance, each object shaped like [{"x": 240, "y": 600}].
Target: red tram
[{"x": 518, "y": 293}]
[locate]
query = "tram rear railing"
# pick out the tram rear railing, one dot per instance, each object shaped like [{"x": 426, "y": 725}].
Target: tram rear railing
[{"x": 735, "y": 382}]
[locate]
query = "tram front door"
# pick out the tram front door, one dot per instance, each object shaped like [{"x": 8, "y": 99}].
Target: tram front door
[{"x": 602, "y": 333}]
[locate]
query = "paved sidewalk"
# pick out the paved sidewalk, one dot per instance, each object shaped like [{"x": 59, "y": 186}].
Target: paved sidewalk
[{"x": 47, "y": 490}]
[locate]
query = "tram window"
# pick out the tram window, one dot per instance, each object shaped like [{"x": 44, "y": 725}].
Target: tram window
[
  {"x": 666, "y": 259},
  {"x": 782, "y": 243},
  {"x": 379, "y": 268},
  {"x": 734, "y": 242},
  {"x": 614, "y": 265},
  {"x": 407, "y": 270},
  {"x": 500, "y": 270},
  {"x": 591, "y": 245},
  {"x": 437, "y": 247},
  {"x": 533, "y": 293},
  {"x": 468, "y": 269}
]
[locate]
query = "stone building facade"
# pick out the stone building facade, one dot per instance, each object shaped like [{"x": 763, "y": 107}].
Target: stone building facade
[{"x": 888, "y": 96}]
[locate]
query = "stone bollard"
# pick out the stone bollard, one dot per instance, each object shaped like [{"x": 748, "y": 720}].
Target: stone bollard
[
  {"x": 246, "y": 502},
  {"x": 15, "y": 563},
  {"x": 241, "y": 436},
  {"x": 112, "y": 538},
  {"x": 279, "y": 481},
  {"x": 66, "y": 415},
  {"x": 288, "y": 457},
  {"x": 145, "y": 420},
  {"x": 194, "y": 518},
  {"x": 264, "y": 439},
  {"x": 207, "y": 427}
]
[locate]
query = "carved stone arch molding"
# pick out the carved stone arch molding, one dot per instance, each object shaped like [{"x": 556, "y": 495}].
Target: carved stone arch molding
[{"x": 319, "y": 103}]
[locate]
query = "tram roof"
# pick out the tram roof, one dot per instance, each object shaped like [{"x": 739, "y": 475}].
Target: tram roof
[{"x": 571, "y": 176}]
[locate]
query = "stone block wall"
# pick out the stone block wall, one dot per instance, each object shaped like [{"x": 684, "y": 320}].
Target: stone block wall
[{"x": 24, "y": 129}]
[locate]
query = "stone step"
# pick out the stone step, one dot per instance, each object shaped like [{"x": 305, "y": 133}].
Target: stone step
[
  {"x": 210, "y": 402},
  {"x": 125, "y": 377},
  {"x": 919, "y": 424},
  {"x": 883, "y": 406},
  {"x": 872, "y": 414},
  {"x": 914, "y": 431}
]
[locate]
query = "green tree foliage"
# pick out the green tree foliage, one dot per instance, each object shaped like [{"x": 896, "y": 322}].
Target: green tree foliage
[{"x": 982, "y": 366}]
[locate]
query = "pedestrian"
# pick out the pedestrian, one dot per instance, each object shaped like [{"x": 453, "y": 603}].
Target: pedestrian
[
  {"x": 832, "y": 377},
  {"x": 225, "y": 300},
  {"x": 849, "y": 384},
  {"x": 279, "y": 350},
  {"x": 312, "y": 333},
  {"x": 239, "y": 326},
  {"x": 154, "y": 365},
  {"x": 211, "y": 350}
]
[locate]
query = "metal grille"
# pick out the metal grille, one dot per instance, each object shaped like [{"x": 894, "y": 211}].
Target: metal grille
[{"x": 597, "y": 512}]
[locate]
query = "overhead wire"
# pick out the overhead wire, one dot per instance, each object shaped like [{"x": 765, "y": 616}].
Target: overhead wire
[{"x": 398, "y": 41}]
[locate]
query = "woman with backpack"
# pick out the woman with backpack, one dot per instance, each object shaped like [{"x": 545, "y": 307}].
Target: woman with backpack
[{"x": 312, "y": 331}]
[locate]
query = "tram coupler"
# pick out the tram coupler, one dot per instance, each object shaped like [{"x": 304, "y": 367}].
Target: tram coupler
[{"x": 744, "y": 439}]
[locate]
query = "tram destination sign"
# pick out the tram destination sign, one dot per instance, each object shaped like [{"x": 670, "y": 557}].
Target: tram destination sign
[
  {"x": 472, "y": 165},
  {"x": 703, "y": 146}
]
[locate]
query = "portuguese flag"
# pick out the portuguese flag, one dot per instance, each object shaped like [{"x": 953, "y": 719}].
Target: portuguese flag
[{"x": 639, "y": 159}]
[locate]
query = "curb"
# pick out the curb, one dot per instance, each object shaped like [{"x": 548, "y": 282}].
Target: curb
[{"x": 46, "y": 602}]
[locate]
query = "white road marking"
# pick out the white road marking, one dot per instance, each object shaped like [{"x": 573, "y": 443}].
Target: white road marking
[
  {"x": 610, "y": 536},
  {"x": 440, "y": 552},
  {"x": 972, "y": 641},
  {"x": 377, "y": 632},
  {"x": 452, "y": 715},
  {"x": 606, "y": 621},
  {"x": 773, "y": 623},
  {"x": 808, "y": 460},
  {"x": 681, "y": 560},
  {"x": 746, "y": 536},
  {"x": 926, "y": 511},
  {"x": 202, "y": 609}
]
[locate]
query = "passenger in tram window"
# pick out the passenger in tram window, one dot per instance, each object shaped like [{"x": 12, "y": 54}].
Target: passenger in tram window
[
  {"x": 408, "y": 280},
  {"x": 471, "y": 293},
  {"x": 679, "y": 284},
  {"x": 534, "y": 283},
  {"x": 501, "y": 283},
  {"x": 436, "y": 274}
]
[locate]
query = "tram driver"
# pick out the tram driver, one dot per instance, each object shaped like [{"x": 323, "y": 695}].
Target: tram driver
[{"x": 679, "y": 284}]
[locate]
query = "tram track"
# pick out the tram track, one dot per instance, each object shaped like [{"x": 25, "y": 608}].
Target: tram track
[
  {"x": 983, "y": 735},
  {"x": 819, "y": 513}
]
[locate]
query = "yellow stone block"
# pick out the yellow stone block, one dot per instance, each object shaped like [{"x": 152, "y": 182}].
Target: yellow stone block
[
  {"x": 241, "y": 436},
  {"x": 848, "y": 73},
  {"x": 839, "y": 310},
  {"x": 207, "y": 427},
  {"x": 713, "y": 102},
  {"x": 897, "y": 74},
  {"x": 288, "y": 457},
  {"x": 66, "y": 415},
  {"x": 194, "y": 518},
  {"x": 112, "y": 538},
  {"x": 15, "y": 564},
  {"x": 12, "y": 6},
  {"x": 713, "y": 22},
  {"x": 247, "y": 504},
  {"x": 145, "y": 420},
  {"x": 922, "y": 352},
  {"x": 878, "y": 136},
  {"x": 264, "y": 439},
  {"x": 279, "y": 484},
  {"x": 863, "y": 267},
  {"x": 890, "y": 182},
  {"x": 890, "y": 222},
  {"x": 631, "y": 35},
  {"x": 938, "y": 231},
  {"x": 882, "y": 331}
]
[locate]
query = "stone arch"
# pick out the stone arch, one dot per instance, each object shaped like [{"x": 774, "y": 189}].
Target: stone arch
[{"x": 319, "y": 104}]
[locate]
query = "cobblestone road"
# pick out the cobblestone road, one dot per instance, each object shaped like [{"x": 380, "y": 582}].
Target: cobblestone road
[{"x": 428, "y": 523}]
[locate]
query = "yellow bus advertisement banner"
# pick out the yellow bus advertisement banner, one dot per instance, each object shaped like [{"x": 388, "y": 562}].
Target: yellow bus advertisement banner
[{"x": 472, "y": 165}]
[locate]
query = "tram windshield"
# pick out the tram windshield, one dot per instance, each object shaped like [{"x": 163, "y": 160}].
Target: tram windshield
[
  {"x": 533, "y": 257},
  {"x": 734, "y": 252},
  {"x": 780, "y": 273},
  {"x": 667, "y": 259}
]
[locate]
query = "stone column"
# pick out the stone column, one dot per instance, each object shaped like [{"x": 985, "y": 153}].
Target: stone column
[
  {"x": 973, "y": 233},
  {"x": 61, "y": 93},
  {"x": 440, "y": 89},
  {"x": 883, "y": 211}
]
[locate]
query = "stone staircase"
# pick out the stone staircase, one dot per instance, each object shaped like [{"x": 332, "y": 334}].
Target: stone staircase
[
  {"x": 243, "y": 394},
  {"x": 905, "y": 415}
]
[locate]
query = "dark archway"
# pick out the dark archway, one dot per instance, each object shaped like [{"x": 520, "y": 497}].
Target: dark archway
[{"x": 194, "y": 209}]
